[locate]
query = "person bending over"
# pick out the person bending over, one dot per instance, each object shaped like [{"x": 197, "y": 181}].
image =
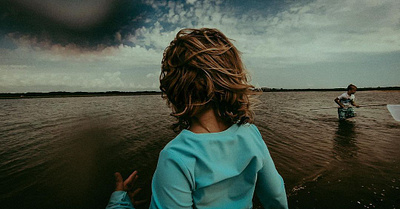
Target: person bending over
[{"x": 345, "y": 102}]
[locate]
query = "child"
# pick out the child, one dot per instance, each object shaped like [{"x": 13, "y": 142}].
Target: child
[
  {"x": 345, "y": 110},
  {"x": 218, "y": 159}
]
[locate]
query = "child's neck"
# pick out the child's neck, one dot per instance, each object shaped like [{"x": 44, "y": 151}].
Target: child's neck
[{"x": 207, "y": 122}]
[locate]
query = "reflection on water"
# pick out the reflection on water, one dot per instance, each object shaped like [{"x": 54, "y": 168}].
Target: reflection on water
[
  {"x": 345, "y": 141},
  {"x": 346, "y": 130}
]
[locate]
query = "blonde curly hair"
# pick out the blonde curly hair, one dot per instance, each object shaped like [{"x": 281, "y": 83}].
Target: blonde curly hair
[{"x": 202, "y": 69}]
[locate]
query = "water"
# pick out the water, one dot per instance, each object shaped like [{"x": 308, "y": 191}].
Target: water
[{"x": 62, "y": 152}]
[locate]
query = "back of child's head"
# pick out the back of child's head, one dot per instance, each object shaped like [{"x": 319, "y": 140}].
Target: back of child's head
[
  {"x": 202, "y": 69},
  {"x": 351, "y": 86}
]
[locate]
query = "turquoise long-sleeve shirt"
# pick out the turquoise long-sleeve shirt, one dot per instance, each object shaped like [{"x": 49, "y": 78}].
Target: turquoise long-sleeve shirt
[{"x": 214, "y": 170}]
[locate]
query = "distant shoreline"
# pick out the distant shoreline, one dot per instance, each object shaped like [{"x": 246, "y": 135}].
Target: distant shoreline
[
  {"x": 393, "y": 88},
  {"x": 59, "y": 94}
]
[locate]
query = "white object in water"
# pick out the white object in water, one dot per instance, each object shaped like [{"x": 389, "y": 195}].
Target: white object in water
[{"x": 394, "y": 110}]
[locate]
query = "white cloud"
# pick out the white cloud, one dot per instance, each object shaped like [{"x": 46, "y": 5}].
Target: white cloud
[
  {"x": 153, "y": 75},
  {"x": 309, "y": 33},
  {"x": 190, "y": 1},
  {"x": 304, "y": 33},
  {"x": 15, "y": 67},
  {"x": 82, "y": 81}
]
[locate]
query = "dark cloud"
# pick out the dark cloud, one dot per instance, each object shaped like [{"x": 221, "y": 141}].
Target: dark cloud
[{"x": 86, "y": 24}]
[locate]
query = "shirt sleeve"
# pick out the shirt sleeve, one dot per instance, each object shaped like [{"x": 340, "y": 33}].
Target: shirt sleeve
[
  {"x": 119, "y": 200},
  {"x": 172, "y": 183},
  {"x": 270, "y": 187}
]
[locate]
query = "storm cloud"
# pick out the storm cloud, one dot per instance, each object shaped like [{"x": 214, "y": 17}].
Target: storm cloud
[{"x": 86, "y": 24}]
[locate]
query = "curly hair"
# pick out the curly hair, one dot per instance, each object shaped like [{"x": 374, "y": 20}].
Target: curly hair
[{"x": 202, "y": 69}]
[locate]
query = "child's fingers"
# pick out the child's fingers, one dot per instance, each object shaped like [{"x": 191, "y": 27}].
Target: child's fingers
[
  {"x": 132, "y": 197},
  {"x": 128, "y": 183},
  {"x": 133, "y": 194},
  {"x": 119, "y": 184},
  {"x": 135, "y": 179}
]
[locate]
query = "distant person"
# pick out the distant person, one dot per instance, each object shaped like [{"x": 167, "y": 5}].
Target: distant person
[
  {"x": 218, "y": 159},
  {"x": 345, "y": 102}
]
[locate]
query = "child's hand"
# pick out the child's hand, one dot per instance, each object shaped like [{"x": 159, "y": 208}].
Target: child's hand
[{"x": 128, "y": 185}]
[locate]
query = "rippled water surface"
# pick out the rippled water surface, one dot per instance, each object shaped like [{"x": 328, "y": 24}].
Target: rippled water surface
[{"x": 62, "y": 152}]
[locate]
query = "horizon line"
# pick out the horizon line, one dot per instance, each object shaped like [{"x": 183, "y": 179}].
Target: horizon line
[{"x": 158, "y": 91}]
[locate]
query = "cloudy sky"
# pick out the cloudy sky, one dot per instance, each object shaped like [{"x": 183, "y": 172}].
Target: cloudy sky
[{"x": 107, "y": 45}]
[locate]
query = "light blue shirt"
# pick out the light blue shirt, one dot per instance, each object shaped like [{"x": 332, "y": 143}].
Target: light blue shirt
[{"x": 214, "y": 170}]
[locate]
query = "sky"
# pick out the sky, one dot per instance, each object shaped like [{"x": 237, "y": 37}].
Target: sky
[{"x": 117, "y": 45}]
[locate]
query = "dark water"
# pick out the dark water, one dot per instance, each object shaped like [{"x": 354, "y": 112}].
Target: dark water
[{"x": 62, "y": 152}]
